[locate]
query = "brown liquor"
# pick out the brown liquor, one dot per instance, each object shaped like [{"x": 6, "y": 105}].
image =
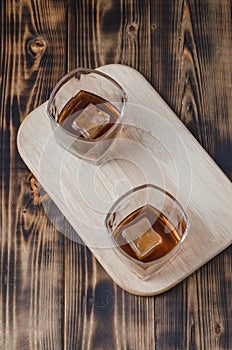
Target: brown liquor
[
  {"x": 146, "y": 234},
  {"x": 88, "y": 116}
]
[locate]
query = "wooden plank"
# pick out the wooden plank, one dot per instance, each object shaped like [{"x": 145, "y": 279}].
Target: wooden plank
[
  {"x": 192, "y": 71},
  {"x": 108, "y": 31},
  {"x": 31, "y": 252},
  {"x": 98, "y": 314}
]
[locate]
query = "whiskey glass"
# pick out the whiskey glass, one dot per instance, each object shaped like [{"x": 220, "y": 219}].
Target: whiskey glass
[
  {"x": 102, "y": 98},
  {"x": 135, "y": 240}
]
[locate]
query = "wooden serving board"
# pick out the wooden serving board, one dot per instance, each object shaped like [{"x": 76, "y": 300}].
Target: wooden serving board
[{"x": 154, "y": 147}]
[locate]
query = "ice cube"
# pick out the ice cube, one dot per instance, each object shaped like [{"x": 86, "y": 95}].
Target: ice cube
[
  {"x": 142, "y": 238},
  {"x": 90, "y": 121}
]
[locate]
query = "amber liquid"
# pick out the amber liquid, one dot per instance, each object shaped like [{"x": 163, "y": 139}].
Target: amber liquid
[
  {"x": 78, "y": 103},
  {"x": 168, "y": 236}
]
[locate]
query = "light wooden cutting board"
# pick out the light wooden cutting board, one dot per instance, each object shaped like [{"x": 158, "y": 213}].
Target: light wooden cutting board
[{"x": 155, "y": 147}]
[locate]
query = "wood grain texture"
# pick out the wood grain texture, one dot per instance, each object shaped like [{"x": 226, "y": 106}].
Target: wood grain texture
[
  {"x": 31, "y": 293},
  {"x": 190, "y": 44},
  {"x": 188, "y": 62}
]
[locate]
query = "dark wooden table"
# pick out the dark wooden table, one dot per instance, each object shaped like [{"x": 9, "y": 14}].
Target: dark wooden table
[{"x": 53, "y": 293}]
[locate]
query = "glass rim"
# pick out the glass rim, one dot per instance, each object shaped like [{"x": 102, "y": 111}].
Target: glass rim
[
  {"x": 179, "y": 244},
  {"x": 65, "y": 79}
]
